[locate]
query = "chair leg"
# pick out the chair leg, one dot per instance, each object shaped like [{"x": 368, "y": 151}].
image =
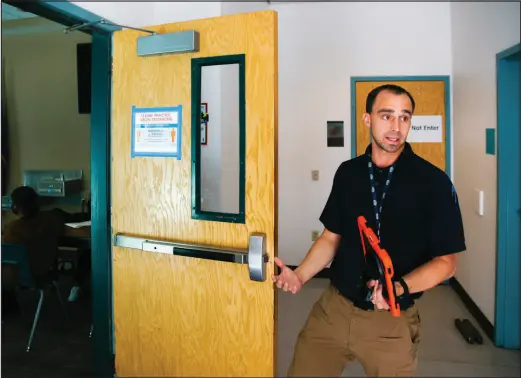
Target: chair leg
[
  {"x": 62, "y": 303},
  {"x": 35, "y": 322}
]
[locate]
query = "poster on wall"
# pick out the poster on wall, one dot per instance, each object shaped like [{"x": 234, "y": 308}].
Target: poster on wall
[
  {"x": 335, "y": 133},
  {"x": 156, "y": 132},
  {"x": 426, "y": 129}
]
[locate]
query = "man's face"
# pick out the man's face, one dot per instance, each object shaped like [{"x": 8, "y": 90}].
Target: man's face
[{"x": 390, "y": 120}]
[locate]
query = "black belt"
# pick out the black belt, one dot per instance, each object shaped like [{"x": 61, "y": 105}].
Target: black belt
[
  {"x": 362, "y": 304},
  {"x": 369, "y": 306}
]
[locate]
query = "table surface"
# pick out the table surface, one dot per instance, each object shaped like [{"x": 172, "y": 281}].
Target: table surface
[{"x": 82, "y": 232}]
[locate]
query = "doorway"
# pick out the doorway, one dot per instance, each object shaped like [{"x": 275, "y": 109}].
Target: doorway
[
  {"x": 508, "y": 144},
  {"x": 68, "y": 14}
]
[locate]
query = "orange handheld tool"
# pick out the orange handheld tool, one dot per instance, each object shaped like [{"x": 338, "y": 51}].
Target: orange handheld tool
[{"x": 384, "y": 262}]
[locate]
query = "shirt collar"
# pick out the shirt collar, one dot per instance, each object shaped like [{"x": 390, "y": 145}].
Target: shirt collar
[{"x": 407, "y": 150}]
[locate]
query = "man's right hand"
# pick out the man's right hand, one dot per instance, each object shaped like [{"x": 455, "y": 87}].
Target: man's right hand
[{"x": 287, "y": 280}]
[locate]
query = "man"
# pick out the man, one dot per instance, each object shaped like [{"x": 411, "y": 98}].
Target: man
[{"x": 416, "y": 215}]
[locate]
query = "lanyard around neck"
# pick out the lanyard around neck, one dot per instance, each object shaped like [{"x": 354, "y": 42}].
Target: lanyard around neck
[{"x": 378, "y": 207}]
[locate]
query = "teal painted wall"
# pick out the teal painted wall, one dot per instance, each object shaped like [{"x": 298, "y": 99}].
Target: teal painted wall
[{"x": 507, "y": 312}]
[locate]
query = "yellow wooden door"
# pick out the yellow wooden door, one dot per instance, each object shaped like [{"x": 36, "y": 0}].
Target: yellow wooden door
[
  {"x": 186, "y": 316},
  {"x": 430, "y": 101}
]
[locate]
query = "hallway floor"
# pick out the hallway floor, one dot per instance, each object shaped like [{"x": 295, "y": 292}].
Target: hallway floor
[
  {"x": 443, "y": 352},
  {"x": 59, "y": 351}
]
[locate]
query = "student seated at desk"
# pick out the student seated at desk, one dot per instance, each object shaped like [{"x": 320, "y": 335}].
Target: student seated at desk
[
  {"x": 82, "y": 272},
  {"x": 39, "y": 231}
]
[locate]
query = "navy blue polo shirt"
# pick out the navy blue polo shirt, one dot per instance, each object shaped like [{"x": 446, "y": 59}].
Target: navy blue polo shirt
[{"x": 420, "y": 217}]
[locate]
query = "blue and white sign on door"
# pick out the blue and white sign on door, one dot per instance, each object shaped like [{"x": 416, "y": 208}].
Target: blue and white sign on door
[{"x": 157, "y": 132}]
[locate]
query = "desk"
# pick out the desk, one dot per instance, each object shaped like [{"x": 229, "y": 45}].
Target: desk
[
  {"x": 74, "y": 242},
  {"x": 76, "y": 237},
  {"x": 71, "y": 232}
]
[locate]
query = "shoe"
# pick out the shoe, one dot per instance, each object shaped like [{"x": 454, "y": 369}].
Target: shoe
[{"x": 74, "y": 294}]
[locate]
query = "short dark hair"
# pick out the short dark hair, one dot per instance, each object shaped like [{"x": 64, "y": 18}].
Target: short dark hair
[
  {"x": 26, "y": 200},
  {"x": 396, "y": 89}
]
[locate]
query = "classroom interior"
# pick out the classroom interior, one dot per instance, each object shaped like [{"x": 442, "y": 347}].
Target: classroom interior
[{"x": 46, "y": 145}]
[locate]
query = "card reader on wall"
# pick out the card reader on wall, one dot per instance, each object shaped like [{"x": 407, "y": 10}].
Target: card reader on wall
[{"x": 54, "y": 183}]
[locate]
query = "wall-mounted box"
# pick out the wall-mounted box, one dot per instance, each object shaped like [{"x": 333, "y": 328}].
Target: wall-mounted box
[
  {"x": 55, "y": 183},
  {"x": 490, "y": 137},
  {"x": 171, "y": 43}
]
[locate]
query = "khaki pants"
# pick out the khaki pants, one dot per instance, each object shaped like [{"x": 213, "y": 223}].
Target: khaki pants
[{"x": 337, "y": 332}]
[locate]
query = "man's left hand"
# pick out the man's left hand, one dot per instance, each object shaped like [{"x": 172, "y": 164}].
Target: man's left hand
[{"x": 377, "y": 298}]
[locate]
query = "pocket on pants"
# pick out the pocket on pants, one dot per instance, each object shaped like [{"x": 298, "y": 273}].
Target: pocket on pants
[
  {"x": 321, "y": 320},
  {"x": 412, "y": 316},
  {"x": 414, "y": 324},
  {"x": 322, "y": 307}
]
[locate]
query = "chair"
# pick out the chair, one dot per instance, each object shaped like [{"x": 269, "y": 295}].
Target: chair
[{"x": 17, "y": 254}]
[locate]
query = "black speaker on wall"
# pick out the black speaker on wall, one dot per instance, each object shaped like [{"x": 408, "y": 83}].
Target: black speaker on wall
[{"x": 84, "y": 72}]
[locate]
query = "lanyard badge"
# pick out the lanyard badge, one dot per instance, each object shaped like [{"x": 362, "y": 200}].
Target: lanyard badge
[
  {"x": 383, "y": 261},
  {"x": 378, "y": 206}
]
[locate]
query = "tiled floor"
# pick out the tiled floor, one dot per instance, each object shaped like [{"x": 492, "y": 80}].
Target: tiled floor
[{"x": 443, "y": 352}]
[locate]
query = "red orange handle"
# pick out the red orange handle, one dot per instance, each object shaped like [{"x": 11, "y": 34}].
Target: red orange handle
[{"x": 386, "y": 262}]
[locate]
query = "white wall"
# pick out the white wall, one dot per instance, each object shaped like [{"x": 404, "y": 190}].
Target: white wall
[
  {"x": 479, "y": 32},
  {"x": 236, "y": 7},
  {"x": 46, "y": 130},
  {"x": 321, "y": 45},
  {"x": 152, "y": 13},
  {"x": 141, "y": 14}
]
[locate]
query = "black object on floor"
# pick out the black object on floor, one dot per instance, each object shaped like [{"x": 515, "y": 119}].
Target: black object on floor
[{"x": 468, "y": 331}]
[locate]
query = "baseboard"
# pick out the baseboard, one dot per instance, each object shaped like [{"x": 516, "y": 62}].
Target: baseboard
[
  {"x": 473, "y": 308},
  {"x": 324, "y": 273}
]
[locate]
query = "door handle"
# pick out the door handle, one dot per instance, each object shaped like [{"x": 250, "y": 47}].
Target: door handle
[
  {"x": 257, "y": 257},
  {"x": 254, "y": 256}
]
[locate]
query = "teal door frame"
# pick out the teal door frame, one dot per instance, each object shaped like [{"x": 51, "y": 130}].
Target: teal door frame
[
  {"x": 446, "y": 81},
  {"x": 507, "y": 312},
  {"x": 69, "y": 14}
]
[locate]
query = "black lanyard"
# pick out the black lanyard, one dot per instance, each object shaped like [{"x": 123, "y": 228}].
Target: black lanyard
[{"x": 378, "y": 207}]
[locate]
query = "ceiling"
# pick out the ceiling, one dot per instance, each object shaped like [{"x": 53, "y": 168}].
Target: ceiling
[{"x": 11, "y": 13}]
